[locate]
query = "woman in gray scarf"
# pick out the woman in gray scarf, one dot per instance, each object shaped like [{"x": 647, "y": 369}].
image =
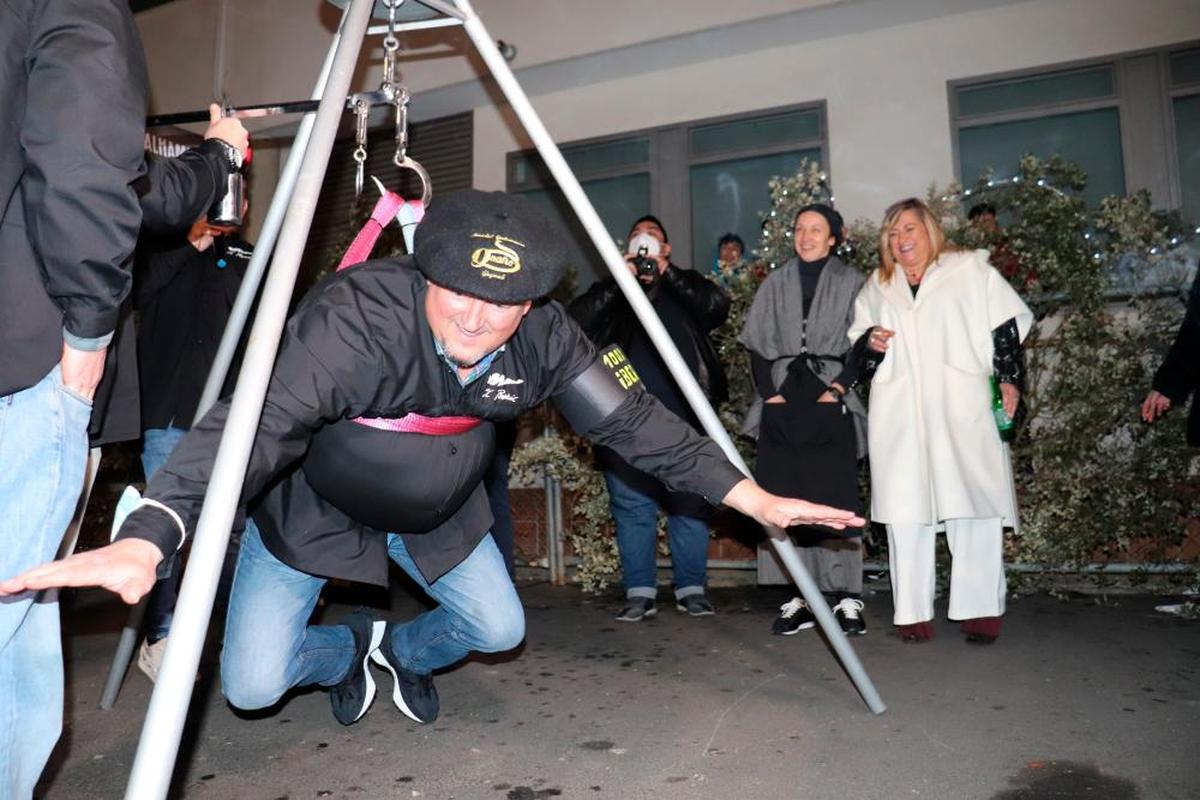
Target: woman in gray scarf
[{"x": 811, "y": 429}]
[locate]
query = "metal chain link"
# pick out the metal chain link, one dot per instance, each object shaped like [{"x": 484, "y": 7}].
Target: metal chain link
[
  {"x": 362, "y": 109},
  {"x": 401, "y": 154}
]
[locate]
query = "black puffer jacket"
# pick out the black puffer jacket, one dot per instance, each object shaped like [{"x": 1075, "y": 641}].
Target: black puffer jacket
[{"x": 607, "y": 318}]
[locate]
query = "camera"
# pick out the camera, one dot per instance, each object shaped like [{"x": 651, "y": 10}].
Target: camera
[
  {"x": 644, "y": 263},
  {"x": 644, "y": 248}
]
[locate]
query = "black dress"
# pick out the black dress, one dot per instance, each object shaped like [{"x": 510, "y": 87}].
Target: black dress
[{"x": 808, "y": 449}]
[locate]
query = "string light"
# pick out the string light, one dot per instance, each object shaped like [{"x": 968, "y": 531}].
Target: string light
[{"x": 1042, "y": 183}]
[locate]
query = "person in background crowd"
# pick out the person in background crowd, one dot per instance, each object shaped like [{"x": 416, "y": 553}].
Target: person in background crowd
[
  {"x": 946, "y": 322},
  {"x": 1178, "y": 377},
  {"x": 812, "y": 428},
  {"x": 74, "y": 189},
  {"x": 184, "y": 287},
  {"x": 983, "y": 217},
  {"x": 690, "y": 305}
]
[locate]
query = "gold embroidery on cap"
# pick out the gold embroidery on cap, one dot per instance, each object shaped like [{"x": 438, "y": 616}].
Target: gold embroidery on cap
[{"x": 498, "y": 261}]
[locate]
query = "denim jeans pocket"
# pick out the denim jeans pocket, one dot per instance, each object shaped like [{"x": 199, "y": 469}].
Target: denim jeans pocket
[{"x": 68, "y": 391}]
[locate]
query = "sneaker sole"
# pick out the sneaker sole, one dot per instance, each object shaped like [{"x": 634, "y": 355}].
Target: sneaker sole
[
  {"x": 802, "y": 627},
  {"x": 377, "y": 628},
  {"x": 397, "y": 695},
  {"x": 652, "y": 612},
  {"x": 683, "y": 608}
]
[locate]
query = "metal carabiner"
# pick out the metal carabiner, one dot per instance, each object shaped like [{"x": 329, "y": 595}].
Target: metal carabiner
[{"x": 407, "y": 162}]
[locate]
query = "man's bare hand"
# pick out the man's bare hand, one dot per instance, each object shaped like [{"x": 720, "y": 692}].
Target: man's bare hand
[
  {"x": 126, "y": 567},
  {"x": 783, "y": 512},
  {"x": 228, "y": 129},
  {"x": 82, "y": 370}
]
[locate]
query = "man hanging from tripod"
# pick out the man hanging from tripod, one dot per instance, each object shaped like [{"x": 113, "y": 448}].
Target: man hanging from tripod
[{"x": 372, "y": 444}]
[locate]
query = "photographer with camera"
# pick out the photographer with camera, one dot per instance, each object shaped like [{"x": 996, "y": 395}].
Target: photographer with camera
[{"x": 690, "y": 306}]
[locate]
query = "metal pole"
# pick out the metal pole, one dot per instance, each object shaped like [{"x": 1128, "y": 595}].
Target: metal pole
[
  {"x": 124, "y": 653},
  {"x": 262, "y": 250},
  {"x": 551, "y": 528},
  {"x": 560, "y": 555},
  {"x": 228, "y": 346},
  {"x": 159, "y": 746},
  {"x": 616, "y": 264}
]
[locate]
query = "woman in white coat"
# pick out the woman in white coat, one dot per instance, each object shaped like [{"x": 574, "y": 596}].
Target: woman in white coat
[{"x": 945, "y": 321}]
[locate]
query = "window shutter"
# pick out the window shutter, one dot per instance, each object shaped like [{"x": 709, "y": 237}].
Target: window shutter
[{"x": 443, "y": 146}]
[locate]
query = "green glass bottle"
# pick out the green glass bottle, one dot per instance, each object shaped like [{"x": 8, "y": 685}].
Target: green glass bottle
[{"x": 1004, "y": 423}]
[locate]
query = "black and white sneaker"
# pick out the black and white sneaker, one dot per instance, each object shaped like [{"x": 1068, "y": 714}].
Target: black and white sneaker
[
  {"x": 794, "y": 616},
  {"x": 695, "y": 605},
  {"x": 352, "y": 697},
  {"x": 414, "y": 694},
  {"x": 849, "y": 616},
  {"x": 637, "y": 609}
]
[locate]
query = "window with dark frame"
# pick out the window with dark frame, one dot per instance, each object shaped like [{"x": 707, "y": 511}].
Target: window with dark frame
[
  {"x": 703, "y": 179},
  {"x": 1130, "y": 121}
]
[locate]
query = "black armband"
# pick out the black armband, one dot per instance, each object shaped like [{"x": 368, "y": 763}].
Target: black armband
[{"x": 597, "y": 391}]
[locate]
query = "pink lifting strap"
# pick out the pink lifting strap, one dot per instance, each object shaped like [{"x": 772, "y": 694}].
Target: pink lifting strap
[{"x": 359, "y": 250}]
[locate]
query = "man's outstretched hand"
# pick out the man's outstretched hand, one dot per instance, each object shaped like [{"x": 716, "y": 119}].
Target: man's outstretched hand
[
  {"x": 127, "y": 567},
  {"x": 783, "y": 512}
]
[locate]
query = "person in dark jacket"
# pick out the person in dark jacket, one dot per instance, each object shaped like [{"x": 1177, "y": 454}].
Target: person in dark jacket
[
  {"x": 811, "y": 427},
  {"x": 1178, "y": 377},
  {"x": 72, "y": 166},
  {"x": 690, "y": 305},
  {"x": 185, "y": 287},
  {"x": 173, "y": 193},
  {"x": 374, "y": 437}
]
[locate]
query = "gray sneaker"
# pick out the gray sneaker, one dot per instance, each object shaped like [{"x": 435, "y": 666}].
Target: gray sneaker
[
  {"x": 637, "y": 609},
  {"x": 695, "y": 605}
]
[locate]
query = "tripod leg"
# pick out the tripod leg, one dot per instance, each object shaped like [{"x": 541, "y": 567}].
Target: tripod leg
[{"x": 124, "y": 654}]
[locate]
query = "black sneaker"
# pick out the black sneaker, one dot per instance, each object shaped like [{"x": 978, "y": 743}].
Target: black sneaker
[
  {"x": 352, "y": 697},
  {"x": 414, "y": 694},
  {"x": 695, "y": 605},
  {"x": 794, "y": 616},
  {"x": 849, "y": 615},
  {"x": 637, "y": 609}
]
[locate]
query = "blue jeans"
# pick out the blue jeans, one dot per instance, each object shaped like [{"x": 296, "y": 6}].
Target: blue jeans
[
  {"x": 270, "y": 647},
  {"x": 635, "y": 511},
  {"x": 43, "y": 450},
  {"x": 157, "y": 445}
]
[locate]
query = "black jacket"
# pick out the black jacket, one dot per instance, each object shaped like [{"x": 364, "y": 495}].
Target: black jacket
[
  {"x": 607, "y": 318},
  {"x": 184, "y": 296},
  {"x": 1179, "y": 375},
  {"x": 174, "y": 193},
  {"x": 360, "y": 345},
  {"x": 72, "y": 116},
  {"x": 75, "y": 187}
]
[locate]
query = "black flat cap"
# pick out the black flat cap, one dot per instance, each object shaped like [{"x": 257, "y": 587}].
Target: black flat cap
[{"x": 491, "y": 245}]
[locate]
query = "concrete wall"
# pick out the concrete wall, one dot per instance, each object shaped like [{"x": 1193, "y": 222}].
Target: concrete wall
[
  {"x": 597, "y": 68},
  {"x": 885, "y": 89}
]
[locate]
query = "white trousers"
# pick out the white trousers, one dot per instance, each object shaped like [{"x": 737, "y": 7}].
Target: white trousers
[{"x": 977, "y": 584}]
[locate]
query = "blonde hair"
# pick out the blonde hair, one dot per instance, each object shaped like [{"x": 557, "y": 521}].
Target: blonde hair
[{"x": 937, "y": 238}]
